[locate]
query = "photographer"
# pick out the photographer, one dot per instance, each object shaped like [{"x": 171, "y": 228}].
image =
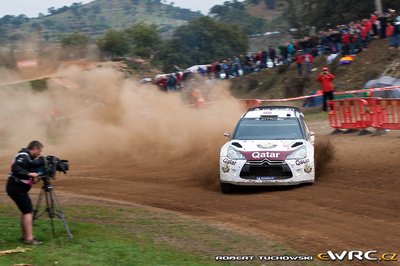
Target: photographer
[
  {"x": 22, "y": 176},
  {"x": 326, "y": 78}
]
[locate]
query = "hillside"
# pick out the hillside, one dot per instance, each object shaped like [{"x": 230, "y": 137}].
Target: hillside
[
  {"x": 253, "y": 16},
  {"x": 93, "y": 18},
  {"x": 275, "y": 21},
  {"x": 256, "y": 18},
  {"x": 272, "y": 15},
  {"x": 284, "y": 82}
]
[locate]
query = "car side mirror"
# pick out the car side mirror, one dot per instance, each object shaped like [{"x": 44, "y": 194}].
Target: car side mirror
[
  {"x": 227, "y": 134},
  {"x": 312, "y": 137}
]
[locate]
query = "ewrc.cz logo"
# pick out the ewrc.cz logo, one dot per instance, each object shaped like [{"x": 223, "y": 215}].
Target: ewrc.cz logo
[{"x": 371, "y": 255}]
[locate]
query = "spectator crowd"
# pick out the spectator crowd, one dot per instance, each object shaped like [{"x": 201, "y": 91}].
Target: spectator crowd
[{"x": 348, "y": 39}]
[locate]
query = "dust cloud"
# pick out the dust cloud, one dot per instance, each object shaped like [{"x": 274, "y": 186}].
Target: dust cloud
[{"x": 116, "y": 123}]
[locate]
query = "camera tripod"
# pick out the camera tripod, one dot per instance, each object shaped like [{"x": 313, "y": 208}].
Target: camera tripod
[{"x": 53, "y": 208}]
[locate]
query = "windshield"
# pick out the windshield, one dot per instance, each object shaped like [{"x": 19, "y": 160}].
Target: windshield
[{"x": 268, "y": 129}]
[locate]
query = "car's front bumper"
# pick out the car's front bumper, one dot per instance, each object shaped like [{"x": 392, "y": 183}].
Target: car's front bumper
[{"x": 289, "y": 172}]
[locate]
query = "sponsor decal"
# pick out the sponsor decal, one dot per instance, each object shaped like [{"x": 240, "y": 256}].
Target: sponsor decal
[
  {"x": 266, "y": 145},
  {"x": 263, "y": 155},
  {"x": 302, "y": 161},
  {"x": 229, "y": 161},
  {"x": 307, "y": 168},
  {"x": 225, "y": 168}
]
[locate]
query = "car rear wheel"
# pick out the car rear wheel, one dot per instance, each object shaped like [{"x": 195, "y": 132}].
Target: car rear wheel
[{"x": 227, "y": 188}]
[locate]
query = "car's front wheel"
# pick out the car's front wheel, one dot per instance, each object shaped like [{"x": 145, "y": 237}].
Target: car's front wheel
[{"x": 227, "y": 188}]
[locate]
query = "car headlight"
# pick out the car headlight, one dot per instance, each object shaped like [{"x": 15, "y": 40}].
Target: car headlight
[
  {"x": 300, "y": 153},
  {"x": 234, "y": 154}
]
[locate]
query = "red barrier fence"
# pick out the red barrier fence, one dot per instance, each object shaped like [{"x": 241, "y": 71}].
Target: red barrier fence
[
  {"x": 361, "y": 113},
  {"x": 386, "y": 114},
  {"x": 349, "y": 114}
]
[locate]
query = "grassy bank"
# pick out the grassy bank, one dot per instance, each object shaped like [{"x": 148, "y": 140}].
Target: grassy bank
[
  {"x": 130, "y": 236},
  {"x": 99, "y": 239}
]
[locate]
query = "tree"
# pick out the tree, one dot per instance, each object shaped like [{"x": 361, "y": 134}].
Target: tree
[
  {"x": 7, "y": 19},
  {"x": 234, "y": 13},
  {"x": 237, "y": 5},
  {"x": 48, "y": 23},
  {"x": 54, "y": 11},
  {"x": 75, "y": 44},
  {"x": 51, "y": 10},
  {"x": 113, "y": 43},
  {"x": 323, "y": 14},
  {"x": 19, "y": 20},
  {"x": 218, "y": 10},
  {"x": 76, "y": 40},
  {"x": 144, "y": 40},
  {"x": 76, "y": 5},
  {"x": 36, "y": 26},
  {"x": 202, "y": 41},
  {"x": 149, "y": 7},
  {"x": 7, "y": 58}
]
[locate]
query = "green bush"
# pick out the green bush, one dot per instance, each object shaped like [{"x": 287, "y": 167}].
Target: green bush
[{"x": 38, "y": 85}]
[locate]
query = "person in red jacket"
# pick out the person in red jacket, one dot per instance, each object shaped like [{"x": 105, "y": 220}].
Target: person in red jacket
[
  {"x": 364, "y": 32},
  {"x": 308, "y": 58},
  {"x": 346, "y": 43},
  {"x": 390, "y": 34},
  {"x": 299, "y": 62},
  {"x": 374, "y": 25},
  {"x": 326, "y": 78}
]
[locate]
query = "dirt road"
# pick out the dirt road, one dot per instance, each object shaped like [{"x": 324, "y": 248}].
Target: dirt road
[{"x": 353, "y": 205}]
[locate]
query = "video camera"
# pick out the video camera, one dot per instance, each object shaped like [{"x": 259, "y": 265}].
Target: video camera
[{"x": 53, "y": 164}]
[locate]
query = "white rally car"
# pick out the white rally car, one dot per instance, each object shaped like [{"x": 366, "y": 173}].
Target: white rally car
[{"x": 271, "y": 145}]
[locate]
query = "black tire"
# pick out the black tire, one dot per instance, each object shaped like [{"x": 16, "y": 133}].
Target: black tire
[{"x": 227, "y": 188}]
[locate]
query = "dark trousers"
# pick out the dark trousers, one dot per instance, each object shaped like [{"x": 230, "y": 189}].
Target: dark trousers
[
  {"x": 327, "y": 96},
  {"x": 383, "y": 32},
  {"x": 299, "y": 69},
  {"x": 18, "y": 192},
  {"x": 375, "y": 30}
]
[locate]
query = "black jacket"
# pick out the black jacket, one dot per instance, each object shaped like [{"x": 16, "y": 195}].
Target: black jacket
[{"x": 24, "y": 164}]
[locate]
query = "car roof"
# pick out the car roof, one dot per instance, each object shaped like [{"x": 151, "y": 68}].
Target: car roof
[{"x": 276, "y": 111}]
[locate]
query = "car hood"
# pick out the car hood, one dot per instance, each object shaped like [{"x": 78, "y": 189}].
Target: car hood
[{"x": 273, "y": 150}]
